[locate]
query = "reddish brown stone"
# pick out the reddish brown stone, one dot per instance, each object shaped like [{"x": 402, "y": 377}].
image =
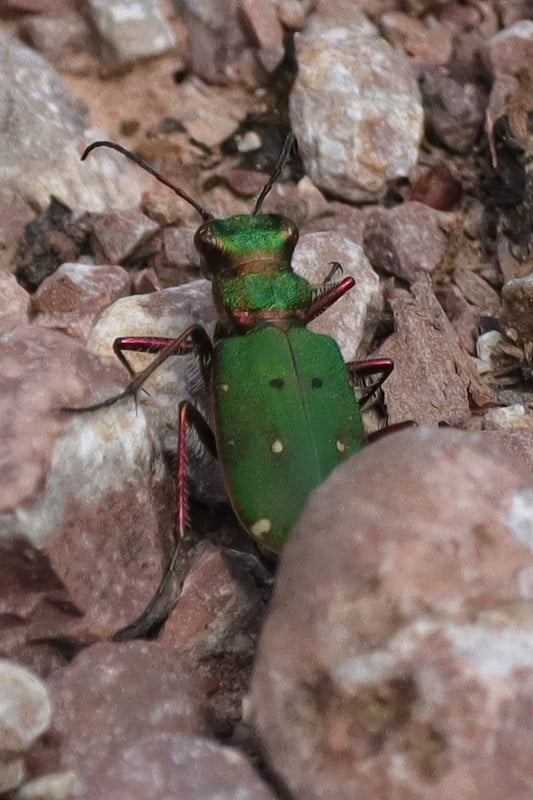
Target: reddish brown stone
[
  {"x": 405, "y": 241},
  {"x": 110, "y": 697},
  {"x": 146, "y": 281},
  {"x": 216, "y": 623},
  {"x": 437, "y": 188},
  {"x": 459, "y": 17},
  {"x": 89, "y": 491},
  {"x": 476, "y": 290},
  {"x": 58, "y": 37},
  {"x": 74, "y": 296},
  {"x": 217, "y": 40},
  {"x": 266, "y": 30},
  {"x": 162, "y": 766},
  {"x": 464, "y": 317},
  {"x": 454, "y": 109},
  {"x": 177, "y": 261},
  {"x": 52, "y": 7},
  {"x": 245, "y": 182},
  {"x": 117, "y": 234},
  {"x": 431, "y": 46}
]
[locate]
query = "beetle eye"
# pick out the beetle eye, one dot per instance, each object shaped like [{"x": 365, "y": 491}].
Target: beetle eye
[{"x": 205, "y": 241}]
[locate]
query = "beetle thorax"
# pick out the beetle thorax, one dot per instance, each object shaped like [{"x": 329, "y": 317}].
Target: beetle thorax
[
  {"x": 246, "y": 244},
  {"x": 248, "y": 259}
]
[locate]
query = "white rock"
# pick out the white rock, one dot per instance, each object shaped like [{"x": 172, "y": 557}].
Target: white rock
[
  {"x": 487, "y": 345},
  {"x": 352, "y": 320},
  {"x": 25, "y": 709},
  {"x": 166, "y": 313},
  {"x": 508, "y": 418},
  {"x": 54, "y": 786},
  {"x": 131, "y": 30},
  {"x": 356, "y": 111}
]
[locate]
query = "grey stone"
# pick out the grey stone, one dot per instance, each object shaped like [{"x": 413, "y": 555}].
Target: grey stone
[{"x": 42, "y": 134}]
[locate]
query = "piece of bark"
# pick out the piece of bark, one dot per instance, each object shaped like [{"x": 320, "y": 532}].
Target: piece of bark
[{"x": 434, "y": 381}]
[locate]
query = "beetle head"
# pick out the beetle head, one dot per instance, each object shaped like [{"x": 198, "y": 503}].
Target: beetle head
[{"x": 261, "y": 243}]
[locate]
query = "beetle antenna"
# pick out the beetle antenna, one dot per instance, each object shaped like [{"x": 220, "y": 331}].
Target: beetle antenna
[
  {"x": 282, "y": 160},
  {"x": 206, "y": 216}
]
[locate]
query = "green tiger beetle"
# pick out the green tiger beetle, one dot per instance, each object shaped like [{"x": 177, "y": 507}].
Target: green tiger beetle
[{"x": 283, "y": 403}]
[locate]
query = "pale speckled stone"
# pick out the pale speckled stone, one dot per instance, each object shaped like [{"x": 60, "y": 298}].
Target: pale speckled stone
[
  {"x": 89, "y": 494},
  {"x": 25, "y": 708},
  {"x": 508, "y": 418},
  {"x": 37, "y": 110},
  {"x": 72, "y": 297},
  {"x": 14, "y": 300},
  {"x": 352, "y": 320},
  {"x": 355, "y": 109},
  {"x": 517, "y": 311},
  {"x": 509, "y": 50},
  {"x": 131, "y": 30},
  {"x": 109, "y": 698},
  {"x": 12, "y": 772},
  {"x": 165, "y": 766},
  {"x": 54, "y": 786}
]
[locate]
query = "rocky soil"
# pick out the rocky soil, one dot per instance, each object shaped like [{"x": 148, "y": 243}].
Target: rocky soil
[{"x": 388, "y": 653}]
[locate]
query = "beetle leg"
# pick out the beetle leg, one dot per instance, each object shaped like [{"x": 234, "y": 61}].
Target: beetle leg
[
  {"x": 189, "y": 416},
  {"x": 394, "y": 428},
  {"x": 325, "y": 299},
  {"x": 140, "y": 344},
  {"x": 193, "y": 339},
  {"x": 162, "y": 603},
  {"x": 336, "y": 266},
  {"x": 373, "y": 366}
]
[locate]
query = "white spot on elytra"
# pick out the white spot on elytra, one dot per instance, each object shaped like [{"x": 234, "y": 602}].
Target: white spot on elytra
[
  {"x": 224, "y": 387},
  {"x": 277, "y": 446},
  {"x": 261, "y": 527},
  {"x": 520, "y": 518},
  {"x": 341, "y": 446}
]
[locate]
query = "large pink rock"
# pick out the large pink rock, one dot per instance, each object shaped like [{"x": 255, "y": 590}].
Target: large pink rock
[{"x": 397, "y": 659}]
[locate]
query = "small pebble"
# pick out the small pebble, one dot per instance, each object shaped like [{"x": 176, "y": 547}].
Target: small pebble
[
  {"x": 508, "y": 417},
  {"x": 249, "y": 142}
]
